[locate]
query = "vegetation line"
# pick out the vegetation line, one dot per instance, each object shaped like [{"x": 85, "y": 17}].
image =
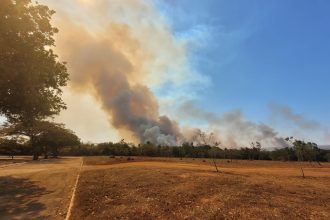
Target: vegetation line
[{"x": 68, "y": 214}]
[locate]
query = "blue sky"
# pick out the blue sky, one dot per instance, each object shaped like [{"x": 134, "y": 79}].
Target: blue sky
[{"x": 258, "y": 54}]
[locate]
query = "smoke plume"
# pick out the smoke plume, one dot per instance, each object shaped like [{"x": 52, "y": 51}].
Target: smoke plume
[
  {"x": 117, "y": 57},
  {"x": 117, "y": 51}
]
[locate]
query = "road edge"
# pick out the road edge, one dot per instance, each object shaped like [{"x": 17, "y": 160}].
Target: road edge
[{"x": 68, "y": 214}]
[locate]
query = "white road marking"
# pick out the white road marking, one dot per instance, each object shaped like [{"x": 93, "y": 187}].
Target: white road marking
[{"x": 68, "y": 214}]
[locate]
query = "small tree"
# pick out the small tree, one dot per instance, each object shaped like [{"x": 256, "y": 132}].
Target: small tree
[
  {"x": 305, "y": 151},
  {"x": 208, "y": 143}
]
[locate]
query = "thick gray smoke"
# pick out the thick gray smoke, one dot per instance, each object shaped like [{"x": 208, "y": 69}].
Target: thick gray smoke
[
  {"x": 114, "y": 63},
  {"x": 232, "y": 129},
  {"x": 102, "y": 69}
]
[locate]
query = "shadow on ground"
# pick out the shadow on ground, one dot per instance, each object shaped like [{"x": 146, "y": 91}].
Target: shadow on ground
[{"x": 19, "y": 199}]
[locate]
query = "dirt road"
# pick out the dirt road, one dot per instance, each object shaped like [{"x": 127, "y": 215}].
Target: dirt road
[{"x": 37, "y": 190}]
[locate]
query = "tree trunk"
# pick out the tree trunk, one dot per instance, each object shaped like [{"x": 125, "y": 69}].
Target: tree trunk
[
  {"x": 55, "y": 152},
  {"x": 34, "y": 148},
  {"x": 46, "y": 152},
  {"x": 302, "y": 173},
  {"x": 35, "y": 155},
  {"x": 215, "y": 165}
]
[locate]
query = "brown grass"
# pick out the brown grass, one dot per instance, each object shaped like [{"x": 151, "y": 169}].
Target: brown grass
[{"x": 158, "y": 188}]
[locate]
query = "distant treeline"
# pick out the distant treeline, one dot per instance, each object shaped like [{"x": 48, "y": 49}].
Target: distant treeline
[{"x": 299, "y": 151}]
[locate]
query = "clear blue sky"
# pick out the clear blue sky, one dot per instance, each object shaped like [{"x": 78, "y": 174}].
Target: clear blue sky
[{"x": 259, "y": 53}]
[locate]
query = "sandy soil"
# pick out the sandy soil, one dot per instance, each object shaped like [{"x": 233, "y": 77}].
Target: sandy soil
[
  {"x": 190, "y": 189},
  {"x": 37, "y": 190}
]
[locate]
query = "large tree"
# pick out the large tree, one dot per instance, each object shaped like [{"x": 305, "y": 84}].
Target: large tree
[
  {"x": 48, "y": 137},
  {"x": 53, "y": 137},
  {"x": 31, "y": 76}
]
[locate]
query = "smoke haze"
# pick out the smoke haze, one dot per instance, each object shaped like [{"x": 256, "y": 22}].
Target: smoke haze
[
  {"x": 300, "y": 126},
  {"x": 232, "y": 129},
  {"x": 286, "y": 113}
]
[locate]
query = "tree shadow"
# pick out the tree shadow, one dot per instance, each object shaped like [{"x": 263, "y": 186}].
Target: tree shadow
[{"x": 19, "y": 199}]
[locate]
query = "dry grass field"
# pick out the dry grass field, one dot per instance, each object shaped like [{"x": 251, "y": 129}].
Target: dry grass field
[
  {"x": 165, "y": 188},
  {"x": 158, "y": 188}
]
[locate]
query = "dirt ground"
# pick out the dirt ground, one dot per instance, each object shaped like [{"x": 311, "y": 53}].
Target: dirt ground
[
  {"x": 8, "y": 161},
  {"x": 37, "y": 190},
  {"x": 164, "y": 188},
  {"x": 146, "y": 188}
]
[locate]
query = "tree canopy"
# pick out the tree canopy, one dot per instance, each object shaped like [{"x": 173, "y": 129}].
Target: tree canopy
[
  {"x": 54, "y": 136},
  {"x": 47, "y": 137},
  {"x": 31, "y": 76}
]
